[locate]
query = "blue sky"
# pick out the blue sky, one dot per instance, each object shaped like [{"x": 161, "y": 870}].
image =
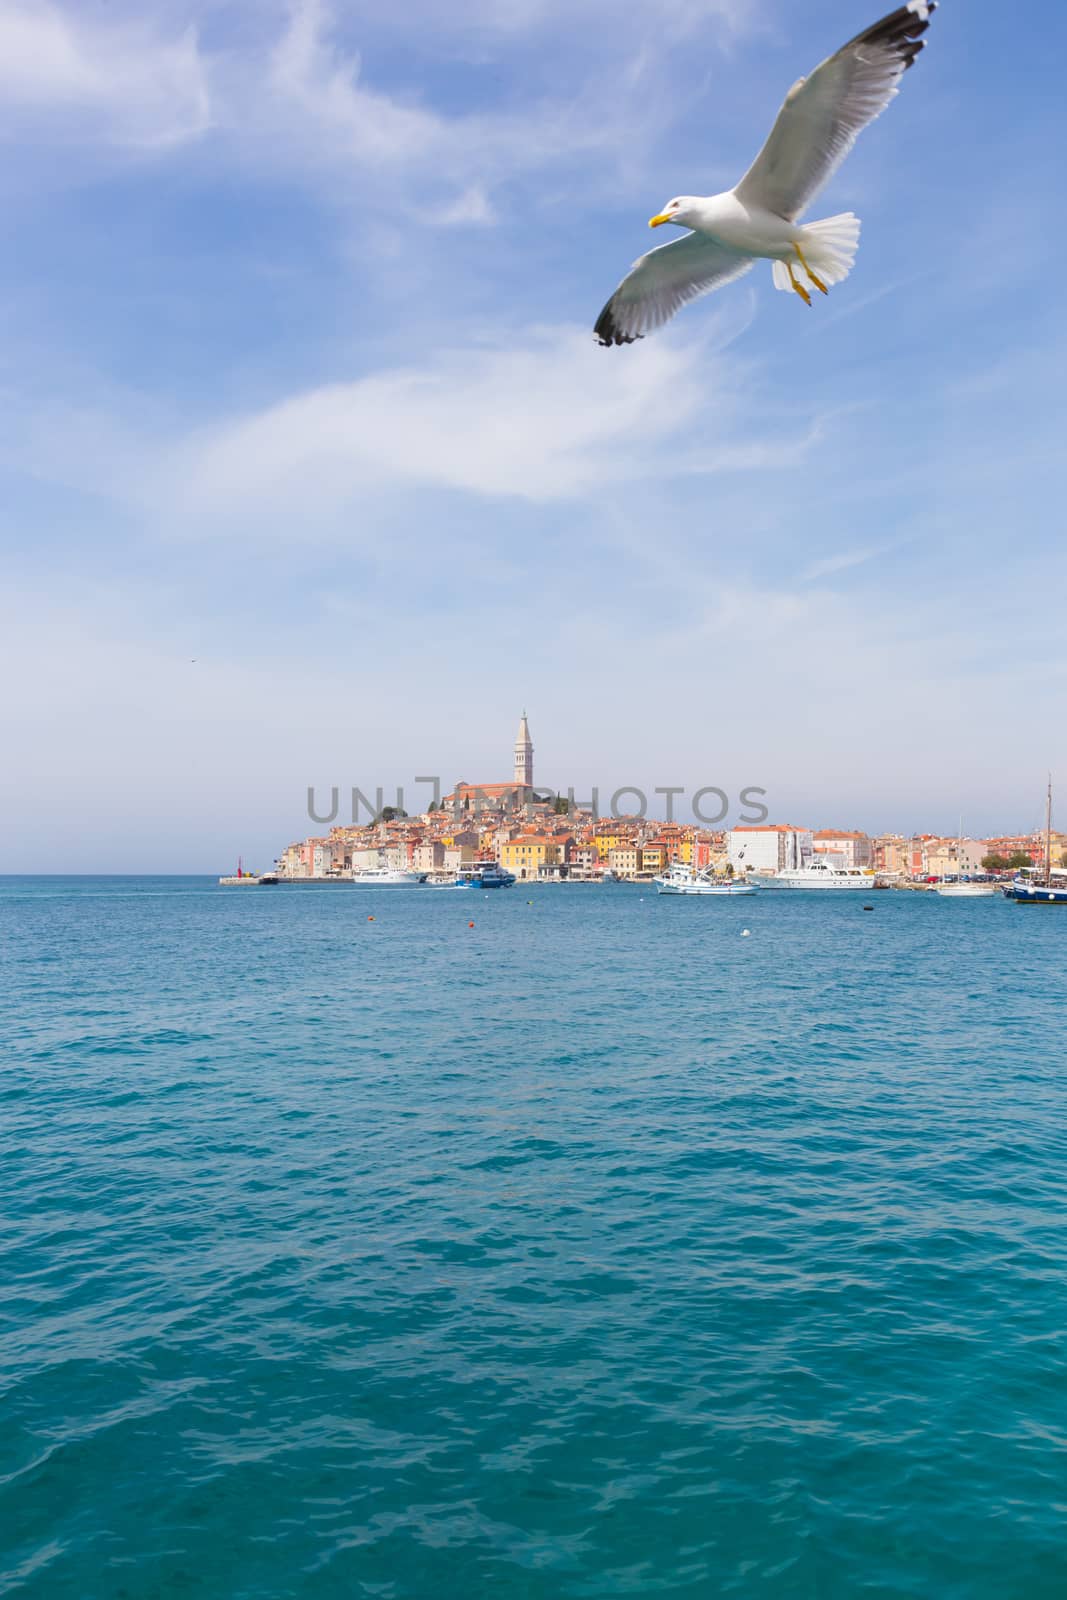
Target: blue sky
[{"x": 310, "y": 470}]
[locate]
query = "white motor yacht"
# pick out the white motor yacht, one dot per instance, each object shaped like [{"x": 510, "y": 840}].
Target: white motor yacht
[
  {"x": 388, "y": 878},
  {"x": 816, "y": 875}
]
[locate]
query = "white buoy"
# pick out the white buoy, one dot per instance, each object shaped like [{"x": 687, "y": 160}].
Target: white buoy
[{"x": 746, "y": 933}]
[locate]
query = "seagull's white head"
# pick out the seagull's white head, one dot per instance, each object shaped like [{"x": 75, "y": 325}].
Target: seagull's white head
[{"x": 676, "y": 211}]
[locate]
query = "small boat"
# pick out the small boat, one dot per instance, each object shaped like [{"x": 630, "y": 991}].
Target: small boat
[
  {"x": 680, "y": 879},
  {"x": 1045, "y": 885},
  {"x": 961, "y": 888}
]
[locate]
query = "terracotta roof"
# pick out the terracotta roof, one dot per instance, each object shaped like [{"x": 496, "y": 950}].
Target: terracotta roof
[{"x": 773, "y": 827}]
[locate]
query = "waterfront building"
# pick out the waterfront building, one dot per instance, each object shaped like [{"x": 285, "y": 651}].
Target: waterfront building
[
  {"x": 584, "y": 859},
  {"x": 770, "y": 848},
  {"x": 654, "y": 857},
  {"x": 529, "y": 852},
  {"x": 710, "y": 850},
  {"x": 890, "y": 855},
  {"x": 972, "y": 853},
  {"x": 624, "y": 860},
  {"x": 939, "y": 858},
  {"x": 1018, "y": 843},
  {"x": 429, "y": 856},
  {"x": 291, "y": 861},
  {"x": 850, "y": 848},
  {"x": 607, "y": 840},
  {"x": 458, "y": 856},
  {"x": 917, "y": 854},
  {"x": 365, "y": 857},
  {"x": 952, "y": 858}
]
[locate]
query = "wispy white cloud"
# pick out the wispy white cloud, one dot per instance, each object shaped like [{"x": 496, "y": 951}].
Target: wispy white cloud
[
  {"x": 289, "y": 93},
  {"x": 844, "y": 561},
  {"x": 329, "y": 102},
  {"x": 316, "y": 108},
  {"x": 674, "y": 17},
  {"x": 543, "y": 419},
  {"x": 121, "y": 81}
]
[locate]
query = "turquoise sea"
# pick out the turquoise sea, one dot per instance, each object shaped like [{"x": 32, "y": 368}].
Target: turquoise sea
[{"x": 591, "y": 1251}]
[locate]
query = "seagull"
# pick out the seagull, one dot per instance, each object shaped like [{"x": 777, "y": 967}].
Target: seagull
[{"x": 821, "y": 120}]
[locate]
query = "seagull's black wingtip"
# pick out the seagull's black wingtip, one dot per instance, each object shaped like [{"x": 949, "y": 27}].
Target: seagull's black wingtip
[
  {"x": 608, "y": 331},
  {"x": 902, "y": 30}
]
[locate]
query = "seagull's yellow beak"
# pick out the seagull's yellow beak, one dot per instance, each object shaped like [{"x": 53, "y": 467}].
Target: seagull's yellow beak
[{"x": 654, "y": 222}]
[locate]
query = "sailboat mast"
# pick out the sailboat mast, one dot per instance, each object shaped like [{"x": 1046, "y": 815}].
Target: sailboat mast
[{"x": 1048, "y": 832}]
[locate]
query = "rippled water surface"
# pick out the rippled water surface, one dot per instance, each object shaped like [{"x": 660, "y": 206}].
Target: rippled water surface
[{"x": 592, "y": 1251}]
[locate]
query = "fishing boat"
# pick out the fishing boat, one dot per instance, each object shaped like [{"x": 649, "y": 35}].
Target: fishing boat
[
  {"x": 1045, "y": 885},
  {"x": 961, "y": 888},
  {"x": 679, "y": 879}
]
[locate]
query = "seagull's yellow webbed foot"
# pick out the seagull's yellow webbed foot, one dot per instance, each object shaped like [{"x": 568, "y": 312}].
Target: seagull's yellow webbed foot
[
  {"x": 797, "y": 286},
  {"x": 816, "y": 281}
]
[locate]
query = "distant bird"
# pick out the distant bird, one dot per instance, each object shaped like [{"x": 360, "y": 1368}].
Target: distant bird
[{"x": 816, "y": 128}]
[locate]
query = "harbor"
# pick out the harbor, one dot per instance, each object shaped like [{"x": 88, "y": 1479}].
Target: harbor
[{"x": 518, "y": 831}]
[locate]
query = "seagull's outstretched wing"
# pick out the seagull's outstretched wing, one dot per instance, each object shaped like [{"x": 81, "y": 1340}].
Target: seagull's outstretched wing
[
  {"x": 660, "y": 283},
  {"x": 824, "y": 115}
]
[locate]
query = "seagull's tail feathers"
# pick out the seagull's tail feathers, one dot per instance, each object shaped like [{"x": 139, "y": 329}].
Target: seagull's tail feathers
[{"x": 829, "y": 249}]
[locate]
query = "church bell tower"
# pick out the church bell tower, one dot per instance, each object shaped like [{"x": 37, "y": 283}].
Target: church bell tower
[{"x": 524, "y": 755}]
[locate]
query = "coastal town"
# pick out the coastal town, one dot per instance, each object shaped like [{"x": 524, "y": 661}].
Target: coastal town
[{"x": 538, "y": 835}]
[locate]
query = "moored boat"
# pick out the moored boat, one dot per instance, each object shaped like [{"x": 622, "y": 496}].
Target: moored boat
[
  {"x": 680, "y": 879},
  {"x": 964, "y": 890},
  {"x": 483, "y": 875},
  {"x": 815, "y": 875},
  {"x": 1034, "y": 890},
  {"x": 387, "y": 878},
  {"x": 961, "y": 888},
  {"x": 1045, "y": 885}
]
